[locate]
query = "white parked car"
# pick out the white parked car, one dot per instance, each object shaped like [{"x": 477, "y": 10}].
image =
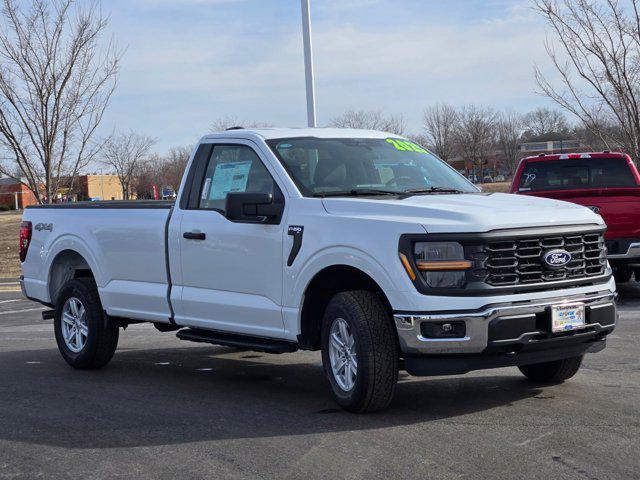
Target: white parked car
[{"x": 360, "y": 244}]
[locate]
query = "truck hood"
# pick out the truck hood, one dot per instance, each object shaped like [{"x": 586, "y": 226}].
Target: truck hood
[{"x": 478, "y": 212}]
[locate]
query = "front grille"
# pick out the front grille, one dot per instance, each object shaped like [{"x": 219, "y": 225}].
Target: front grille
[{"x": 520, "y": 261}]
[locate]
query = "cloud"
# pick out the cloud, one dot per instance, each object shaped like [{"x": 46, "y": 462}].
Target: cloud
[
  {"x": 187, "y": 66},
  {"x": 182, "y": 3}
]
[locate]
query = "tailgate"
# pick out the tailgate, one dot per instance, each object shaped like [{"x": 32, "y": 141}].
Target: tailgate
[{"x": 619, "y": 207}]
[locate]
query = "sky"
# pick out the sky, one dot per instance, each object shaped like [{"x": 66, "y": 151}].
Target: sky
[{"x": 190, "y": 62}]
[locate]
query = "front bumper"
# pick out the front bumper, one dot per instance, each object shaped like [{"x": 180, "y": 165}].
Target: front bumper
[
  {"x": 506, "y": 327},
  {"x": 527, "y": 355},
  {"x": 626, "y": 252}
]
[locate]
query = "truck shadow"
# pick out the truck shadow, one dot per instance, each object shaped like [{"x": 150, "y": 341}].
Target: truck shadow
[{"x": 180, "y": 395}]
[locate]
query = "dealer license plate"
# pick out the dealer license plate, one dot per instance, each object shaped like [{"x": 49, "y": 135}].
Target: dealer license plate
[{"x": 567, "y": 317}]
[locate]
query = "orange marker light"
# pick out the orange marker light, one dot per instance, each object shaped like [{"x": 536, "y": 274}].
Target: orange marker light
[
  {"x": 407, "y": 266},
  {"x": 443, "y": 265}
]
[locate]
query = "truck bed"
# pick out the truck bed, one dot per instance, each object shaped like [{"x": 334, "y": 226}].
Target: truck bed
[
  {"x": 123, "y": 243},
  {"x": 128, "y": 204}
]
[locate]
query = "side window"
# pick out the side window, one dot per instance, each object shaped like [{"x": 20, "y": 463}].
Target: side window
[{"x": 232, "y": 168}]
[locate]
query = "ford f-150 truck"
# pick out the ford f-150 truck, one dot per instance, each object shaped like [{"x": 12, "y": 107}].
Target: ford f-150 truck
[
  {"x": 361, "y": 244},
  {"x": 606, "y": 182}
]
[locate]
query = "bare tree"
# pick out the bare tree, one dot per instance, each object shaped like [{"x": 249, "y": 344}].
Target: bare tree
[
  {"x": 126, "y": 153},
  {"x": 56, "y": 80},
  {"x": 440, "y": 123},
  {"x": 592, "y": 141},
  {"x": 476, "y": 134},
  {"x": 510, "y": 126},
  {"x": 370, "y": 120},
  {"x": 174, "y": 165},
  {"x": 597, "y": 65},
  {"x": 544, "y": 121},
  {"x": 147, "y": 176},
  {"x": 224, "y": 123},
  {"x": 161, "y": 171}
]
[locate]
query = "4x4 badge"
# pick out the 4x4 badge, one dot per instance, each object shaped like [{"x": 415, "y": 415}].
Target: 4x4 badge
[{"x": 44, "y": 226}]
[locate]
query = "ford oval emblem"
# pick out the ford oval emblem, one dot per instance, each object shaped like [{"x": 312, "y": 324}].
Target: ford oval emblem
[{"x": 556, "y": 258}]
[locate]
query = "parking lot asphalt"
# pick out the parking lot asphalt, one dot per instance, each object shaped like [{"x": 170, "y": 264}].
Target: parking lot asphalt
[{"x": 164, "y": 408}]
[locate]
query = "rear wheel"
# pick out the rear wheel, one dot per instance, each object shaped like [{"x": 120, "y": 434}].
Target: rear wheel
[
  {"x": 359, "y": 351},
  {"x": 552, "y": 372},
  {"x": 85, "y": 337}
]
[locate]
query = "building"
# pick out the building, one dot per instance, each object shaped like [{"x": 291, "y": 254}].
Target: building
[
  {"x": 551, "y": 147},
  {"x": 15, "y": 195},
  {"x": 98, "y": 187},
  {"x": 495, "y": 162},
  {"x": 493, "y": 165}
]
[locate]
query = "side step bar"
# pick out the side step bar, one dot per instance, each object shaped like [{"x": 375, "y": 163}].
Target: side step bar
[{"x": 259, "y": 344}]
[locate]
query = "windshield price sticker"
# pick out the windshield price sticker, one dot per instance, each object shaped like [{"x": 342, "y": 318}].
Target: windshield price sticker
[{"x": 404, "y": 145}]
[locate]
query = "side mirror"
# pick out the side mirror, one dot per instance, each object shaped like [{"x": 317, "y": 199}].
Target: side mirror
[{"x": 252, "y": 207}]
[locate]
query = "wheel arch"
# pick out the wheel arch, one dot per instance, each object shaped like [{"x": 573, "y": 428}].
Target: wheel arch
[
  {"x": 321, "y": 288},
  {"x": 71, "y": 250},
  {"x": 66, "y": 265}
]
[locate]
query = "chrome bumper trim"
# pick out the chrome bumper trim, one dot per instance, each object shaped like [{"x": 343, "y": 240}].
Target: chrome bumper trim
[
  {"x": 477, "y": 323},
  {"x": 632, "y": 252}
]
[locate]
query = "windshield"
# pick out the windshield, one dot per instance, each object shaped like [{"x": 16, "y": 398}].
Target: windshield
[
  {"x": 576, "y": 173},
  {"x": 326, "y": 166}
]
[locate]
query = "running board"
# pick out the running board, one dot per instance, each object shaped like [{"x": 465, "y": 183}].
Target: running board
[{"x": 259, "y": 344}]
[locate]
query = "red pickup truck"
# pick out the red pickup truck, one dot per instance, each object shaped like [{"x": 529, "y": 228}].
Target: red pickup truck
[{"x": 608, "y": 183}]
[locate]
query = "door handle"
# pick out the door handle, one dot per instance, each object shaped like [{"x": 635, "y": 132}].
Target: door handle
[{"x": 194, "y": 235}]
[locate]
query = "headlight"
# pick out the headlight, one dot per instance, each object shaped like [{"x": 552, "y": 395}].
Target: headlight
[{"x": 441, "y": 264}]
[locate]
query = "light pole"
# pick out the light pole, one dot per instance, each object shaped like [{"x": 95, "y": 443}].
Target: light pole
[{"x": 308, "y": 63}]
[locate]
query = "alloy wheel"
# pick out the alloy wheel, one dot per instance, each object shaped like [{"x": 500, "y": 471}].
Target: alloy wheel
[
  {"x": 74, "y": 325},
  {"x": 342, "y": 354}
]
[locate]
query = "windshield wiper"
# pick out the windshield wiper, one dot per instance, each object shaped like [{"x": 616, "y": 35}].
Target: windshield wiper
[
  {"x": 357, "y": 192},
  {"x": 426, "y": 191}
]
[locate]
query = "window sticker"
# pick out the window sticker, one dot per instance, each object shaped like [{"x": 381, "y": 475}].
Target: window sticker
[
  {"x": 386, "y": 173},
  {"x": 404, "y": 145},
  {"x": 229, "y": 177},
  {"x": 529, "y": 177},
  {"x": 205, "y": 189}
]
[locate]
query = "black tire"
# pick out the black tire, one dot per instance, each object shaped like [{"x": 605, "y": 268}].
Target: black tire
[
  {"x": 622, "y": 276},
  {"x": 102, "y": 334},
  {"x": 552, "y": 372},
  {"x": 376, "y": 349}
]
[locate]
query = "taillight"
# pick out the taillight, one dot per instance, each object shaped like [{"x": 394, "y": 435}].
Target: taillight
[{"x": 25, "y": 239}]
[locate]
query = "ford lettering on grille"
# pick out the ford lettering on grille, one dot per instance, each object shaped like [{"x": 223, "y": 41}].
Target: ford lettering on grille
[{"x": 557, "y": 258}]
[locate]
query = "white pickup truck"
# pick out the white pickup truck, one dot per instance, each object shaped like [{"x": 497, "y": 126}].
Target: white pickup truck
[{"x": 361, "y": 244}]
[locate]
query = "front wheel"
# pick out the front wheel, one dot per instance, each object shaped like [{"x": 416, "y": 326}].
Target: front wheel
[
  {"x": 552, "y": 372},
  {"x": 359, "y": 351},
  {"x": 85, "y": 338}
]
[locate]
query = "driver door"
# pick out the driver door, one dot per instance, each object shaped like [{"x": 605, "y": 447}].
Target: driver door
[{"x": 231, "y": 271}]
